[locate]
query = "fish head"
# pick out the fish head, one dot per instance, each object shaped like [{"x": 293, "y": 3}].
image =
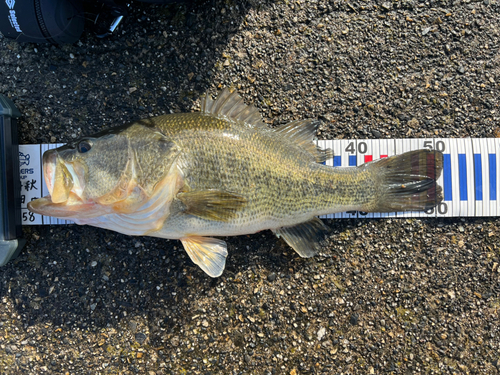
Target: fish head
[
  {"x": 114, "y": 171},
  {"x": 80, "y": 175}
]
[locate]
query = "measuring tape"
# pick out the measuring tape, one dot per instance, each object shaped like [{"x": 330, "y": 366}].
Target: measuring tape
[{"x": 469, "y": 179}]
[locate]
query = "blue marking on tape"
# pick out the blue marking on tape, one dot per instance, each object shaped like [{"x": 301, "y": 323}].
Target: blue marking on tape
[
  {"x": 492, "y": 158},
  {"x": 448, "y": 192},
  {"x": 352, "y": 160},
  {"x": 337, "y": 161},
  {"x": 462, "y": 176},
  {"x": 478, "y": 177}
]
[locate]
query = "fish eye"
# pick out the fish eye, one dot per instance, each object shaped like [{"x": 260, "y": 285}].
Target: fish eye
[{"x": 84, "y": 146}]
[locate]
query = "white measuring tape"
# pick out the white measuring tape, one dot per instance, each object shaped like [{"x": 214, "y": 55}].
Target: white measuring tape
[{"x": 470, "y": 177}]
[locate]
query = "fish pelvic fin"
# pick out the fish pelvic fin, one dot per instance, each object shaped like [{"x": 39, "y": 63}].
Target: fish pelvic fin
[
  {"x": 304, "y": 238},
  {"x": 407, "y": 182},
  {"x": 231, "y": 106},
  {"x": 212, "y": 204},
  {"x": 208, "y": 253},
  {"x": 303, "y": 133}
]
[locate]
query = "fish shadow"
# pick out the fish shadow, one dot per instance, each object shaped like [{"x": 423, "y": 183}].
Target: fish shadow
[{"x": 90, "y": 278}]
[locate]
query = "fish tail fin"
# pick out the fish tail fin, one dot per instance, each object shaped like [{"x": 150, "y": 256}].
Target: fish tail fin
[{"x": 407, "y": 182}]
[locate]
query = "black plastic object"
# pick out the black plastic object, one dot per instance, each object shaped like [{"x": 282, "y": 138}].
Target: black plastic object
[
  {"x": 42, "y": 21},
  {"x": 11, "y": 240}
]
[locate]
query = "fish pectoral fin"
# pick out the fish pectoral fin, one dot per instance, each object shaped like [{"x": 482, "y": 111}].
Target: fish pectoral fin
[
  {"x": 208, "y": 253},
  {"x": 212, "y": 204},
  {"x": 304, "y": 238}
]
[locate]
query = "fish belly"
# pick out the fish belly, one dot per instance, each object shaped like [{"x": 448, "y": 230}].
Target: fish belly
[{"x": 182, "y": 226}]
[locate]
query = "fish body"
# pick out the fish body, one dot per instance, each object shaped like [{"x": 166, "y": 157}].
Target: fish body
[{"x": 222, "y": 172}]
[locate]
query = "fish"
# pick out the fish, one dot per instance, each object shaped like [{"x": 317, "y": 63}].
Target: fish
[{"x": 223, "y": 172}]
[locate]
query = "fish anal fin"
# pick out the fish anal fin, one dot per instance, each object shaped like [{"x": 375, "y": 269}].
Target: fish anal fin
[
  {"x": 304, "y": 238},
  {"x": 215, "y": 205},
  {"x": 230, "y": 105},
  {"x": 208, "y": 253},
  {"x": 303, "y": 133}
]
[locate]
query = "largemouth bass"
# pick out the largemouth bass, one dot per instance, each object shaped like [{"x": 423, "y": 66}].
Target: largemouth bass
[{"x": 223, "y": 172}]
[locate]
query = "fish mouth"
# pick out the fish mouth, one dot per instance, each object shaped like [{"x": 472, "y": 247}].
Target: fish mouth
[
  {"x": 65, "y": 182},
  {"x": 61, "y": 178}
]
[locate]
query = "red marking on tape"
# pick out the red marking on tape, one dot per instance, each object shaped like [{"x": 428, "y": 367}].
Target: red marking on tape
[{"x": 368, "y": 158}]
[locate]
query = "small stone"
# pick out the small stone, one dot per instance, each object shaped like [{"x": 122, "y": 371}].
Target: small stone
[
  {"x": 461, "y": 70},
  {"x": 376, "y": 133},
  {"x": 413, "y": 123},
  {"x": 140, "y": 337},
  {"x": 426, "y": 31},
  {"x": 271, "y": 277},
  {"x": 354, "y": 319},
  {"x": 403, "y": 117},
  {"x": 132, "y": 326},
  {"x": 321, "y": 333},
  {"x": 93, "y": 264},
  {"x": 387, "y": 6},
  {"x": 139, "y": 355}
]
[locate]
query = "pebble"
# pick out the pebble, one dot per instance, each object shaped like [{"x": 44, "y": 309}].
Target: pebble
[
  {"x": 321, "y": 333},
  {"x": 271, "y": 277},
  {"x": 426, "y": 31},
  {"x": 387, "y": 5},
  {"x": 354, "y": 319},
  {"x": 140, "y": 337}
]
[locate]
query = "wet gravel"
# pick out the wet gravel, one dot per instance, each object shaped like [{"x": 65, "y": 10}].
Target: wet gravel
[{"x": 385, "y": 296}]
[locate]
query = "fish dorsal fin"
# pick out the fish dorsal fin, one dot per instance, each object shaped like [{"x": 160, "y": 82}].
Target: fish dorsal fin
[
  {"x": 231, "y": 106},
  {"x": 215, "y": 205},
  {"x": 304, "y": 237},
  {"x": 208, "y": 253},
  {"x": 303, "y": 133}
]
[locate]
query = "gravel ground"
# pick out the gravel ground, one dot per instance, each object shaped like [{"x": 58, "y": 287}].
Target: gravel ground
[{"x": 385, "y": 296}]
